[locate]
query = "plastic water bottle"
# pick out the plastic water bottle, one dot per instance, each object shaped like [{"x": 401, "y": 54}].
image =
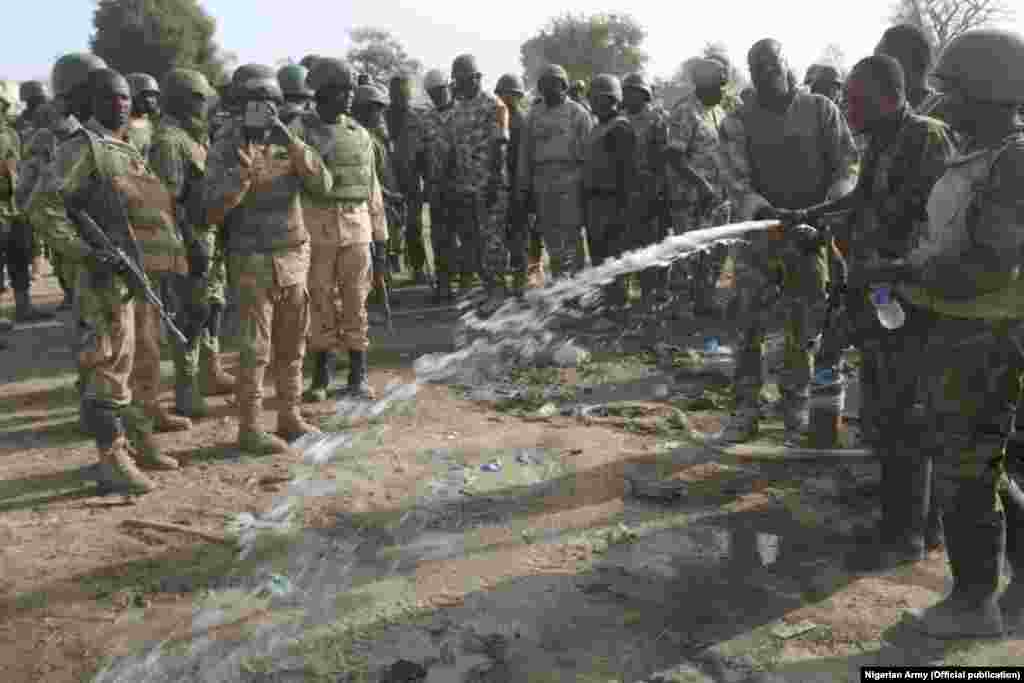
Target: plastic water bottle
[{"x": 890, "y": 313}]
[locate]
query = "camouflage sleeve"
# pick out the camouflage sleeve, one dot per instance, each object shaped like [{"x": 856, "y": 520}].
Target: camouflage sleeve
[
  {"x": 71, "y": 175},
  {"x": 223, "y": 189},
  {"x": 737, "y": 174},
  {"x": 169, "y": 161},
  {"x": 842, "y": 152},
  {"x": 38, "y": 153},
  {"x": 310, "y": 166}
]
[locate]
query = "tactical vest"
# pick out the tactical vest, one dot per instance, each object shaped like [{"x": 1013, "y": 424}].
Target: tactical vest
[
  {"x": 347, "y": 150},
  {"x": 147, "y": 203},
  {"x": 599, "y": 172},
  {"x": 949, "y": 206}
]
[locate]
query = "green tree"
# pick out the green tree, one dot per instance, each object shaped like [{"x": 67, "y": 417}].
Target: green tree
[
  {"x": 155, "y": 36},
  {"x": 377, "y": 53},
  {"x": 586, "y": 46}
]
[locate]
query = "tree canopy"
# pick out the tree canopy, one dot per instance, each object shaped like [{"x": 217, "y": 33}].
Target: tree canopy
[
  {"x": 379, "y": 54},
  {"x": 586, "y": 46},
  {"x": 155, "y": 36},
  {"x": 944, "y": 20}
]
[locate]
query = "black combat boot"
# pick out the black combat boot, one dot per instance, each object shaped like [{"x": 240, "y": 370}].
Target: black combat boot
[
  {"x": 323, "y": 376},
  {"x": 358, "y": 383}
]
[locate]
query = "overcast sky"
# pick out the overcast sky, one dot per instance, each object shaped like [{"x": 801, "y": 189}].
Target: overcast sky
[{"x": 436, "y": 30}]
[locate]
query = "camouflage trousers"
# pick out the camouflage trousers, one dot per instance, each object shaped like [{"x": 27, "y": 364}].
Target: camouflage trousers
[
  {"x": 339, "y": 283},
  {"x": 273, "y": 309},
  {"x": 178, "y": 292},
  {"x": 559, "y": 216},
  {"x": 775, "y": 280},
  {"x": 415, "y": 247},
  {"x": 607, "y": 239},
  {"x": 104, "y": 338},
  {"x": 481, "y": 233}
]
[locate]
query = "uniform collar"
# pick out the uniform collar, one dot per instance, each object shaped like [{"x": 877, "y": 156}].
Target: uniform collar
[{"x": 101, "y": 130}]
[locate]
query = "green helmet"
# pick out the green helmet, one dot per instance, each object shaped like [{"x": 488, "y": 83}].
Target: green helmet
[
  {"x": 987, "y": 64},
  {"x": 309, "y": 60},
  {"x": 465, "y": 64},
  {"x": 255, "y": 81},
  {"x": 510, "y": 84},
  {"x": 142, "y": 83},
  {"x": 331, "y": 72},
  {"x": 606, "y": 84},
  {"x": 180, "y": 83},
  {"x": 435, "y": 78},
  {"x": 554, "y": 71},
  {"x": 292, "y": 79},
  {"x": 72, "y": 70},
  {"x": 31, "y": 89},
  {"x": 366, "y": 94},
  {"x": 636, "y": 80}
]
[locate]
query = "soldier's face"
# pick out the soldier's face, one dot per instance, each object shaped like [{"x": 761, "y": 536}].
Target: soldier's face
[
  {"x": 333, "y": 102},
  {"x": 112, "y": 103},
  {"x": 634, "y": 100},
  {"x": 711, "y": 95},
  {"x": 149, "y": 103},
  {"x": 551, "y": 88},
  {"x": 440, "y": 96},
  {"x": 866, "y": 104},
  {"x": 604, "y": 106},
  {"x": 769, "y": 70},
  {"x": 901, "y": 53}
]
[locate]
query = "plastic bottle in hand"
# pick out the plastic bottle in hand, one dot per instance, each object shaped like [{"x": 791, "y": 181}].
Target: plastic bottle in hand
[{"x": 890, "y": 313}]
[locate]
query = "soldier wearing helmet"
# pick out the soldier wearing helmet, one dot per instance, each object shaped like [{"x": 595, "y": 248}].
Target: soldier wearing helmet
[
  {"x": 478, "y": 193},
  {"x": 763, "y": 176},
  {"x": 98, "y": 172},
  {"x": 32, "y": 94},
  {"x": 825, "y": 80},
  {"x": 343, "y": 224},
  {"x": 256, "y": 174},
  {"x": 511, "y": 92},
  {"x": 178, "y": 155},
  {"x": 649, "y": 198},
  {"x": 145, "y": 110},
  {"x": 10, "y": 155},
  {"x": 910, "y": 46},
  {"x": 405, "y": 124},
  {"x": 549, "y": 168},
  {"x": 964, "y": 274},
  {"x": 297, "y": 94},
  {"x": 434, "y": 158},
  {"x": 609, "y": 171}
]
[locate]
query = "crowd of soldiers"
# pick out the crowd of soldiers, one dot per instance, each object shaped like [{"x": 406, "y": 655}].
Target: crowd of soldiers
[{"x": 302, "y": 190}]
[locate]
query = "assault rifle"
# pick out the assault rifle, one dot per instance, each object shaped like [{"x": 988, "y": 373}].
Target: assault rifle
[
  {"x": 382, "y": 282},
  {"x": 128, "y": 267}
]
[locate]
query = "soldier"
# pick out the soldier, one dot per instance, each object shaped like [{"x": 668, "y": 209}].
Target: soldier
[
  {"x": 98, "y": 172},
  {"x": 965, "y": 274},
  {"x": 649, "y": 200},
  {"x": 33, "y": 94},
  {"x": 817, "y": 164},
  {"x": 906, "y": 155},
  {"x": 550, "y": 164},
  {"x": 695, "y": 181},
  {"x": 342, "y": 223},
  {"x": 825, "y": 81},
  {"x": 609, "y": 171},
  {"x": 256, "y": 173},
  {"x": 511, "y": 92},
  {"x": 178, "y": 156},
  {"x": 435, "y": 152},
  {"x": 10, "y": 155},
  {"x": 298, "y": 96},
  {"x": 405, "y": 124},
  {"x": 478, "y": 133},
  {"x": 578, "y": 94},
  {"x": 145, "y": 110},
  {"x": 909, "y": 46}
]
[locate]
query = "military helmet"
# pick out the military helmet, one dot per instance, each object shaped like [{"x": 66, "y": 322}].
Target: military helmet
[
  {"x": 434, "y": 78},
  {"x": 367, "y": 94},
  {"x": 328, "y": 72},
  {"x": 811, "y": 74},
  {"x": 31, "y": 89},
  {"x": 180, "y": 83},
  {"x": 142, "y": 83},
  {"x": 510, "y": 84},
  {"x": 708, "y": 73},
  {"x": 465, "y": 64},
  {"x": 255, "y": 81},
  {"x": 986, "y": 64},
  {"x": 72, "y": 70},
  {"x": 292, "y": 79},
  {"x": 309, "y": 60},
  {"x": 826, "y": 73},
  {"x": 636, "y": 80},
  {"x": 606, "y": 84},
  {"x": 554, "y": 71}
]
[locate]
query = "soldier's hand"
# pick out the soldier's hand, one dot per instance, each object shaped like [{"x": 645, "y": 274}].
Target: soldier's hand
[
  {"x": 245, "y": 164},
  {"x": 198, "y": 259}
]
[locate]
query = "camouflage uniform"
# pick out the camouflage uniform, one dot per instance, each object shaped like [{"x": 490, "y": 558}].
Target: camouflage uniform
[
  {"x": 474, "y": 128},
  {"x": 10, "y": 155},
  {"x": 94, "y": 170},
  {"x": 550, "y": 163},
  {"x": 268, "y": 252},
  {"x": 436, "y": 152},
  {"x": 394, "y": 203},
  {"x": 518, "y": 214},
  {"x": 694, "y": 129},
  {"x": 407, "y": 130},
  {"x": 649, "y": 191},
  {"x": 140, "y": 134},
  {"x": 816, "y": 162}
]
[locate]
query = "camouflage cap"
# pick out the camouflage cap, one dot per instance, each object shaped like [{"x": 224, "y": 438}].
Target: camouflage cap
[
  {"x": 435, "y": 78},
  {"x": 330, "y": 72},
  {"x": 142, "y": 83},
  {"x": 510, "y": 84},
  {"x": 72, "y": 70},
  {"x": 292, "y": 79},
  {"x": 367, "y": 94},
  {"x": 30, "y": 89}
]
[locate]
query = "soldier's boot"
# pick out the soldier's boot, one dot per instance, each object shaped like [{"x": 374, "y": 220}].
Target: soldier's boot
[
  {"x": 324, "y": 366},
  {"x": 188, "y": 398},
  {"x": 291, "y": 425},
  {"x": 215, "y": 381},
  {"x": 748, "y": 379},
  {"x": 253, "y": 440},
  {"x": 117, "y": 472},
  {"x": 1012, "y": 601},
  {"x": 976, "y": 550},
  {"x": 358, "y": 380},
  {"x": 906, "y": 492},
  {"x": 25, "y": 312},
  {"x": 141, "y": 444},
  {"x": 163, "y": 419}
]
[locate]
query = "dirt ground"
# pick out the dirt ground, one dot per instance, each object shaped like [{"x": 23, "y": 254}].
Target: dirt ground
[{"x": 82, "y": 581}]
